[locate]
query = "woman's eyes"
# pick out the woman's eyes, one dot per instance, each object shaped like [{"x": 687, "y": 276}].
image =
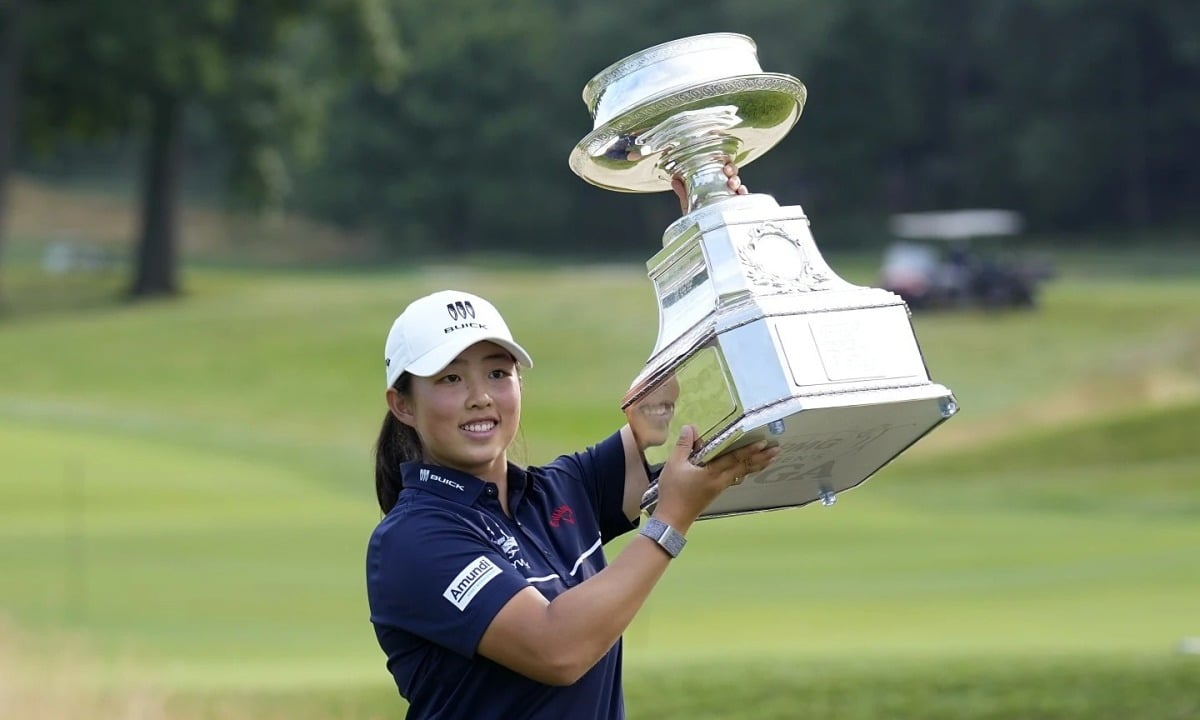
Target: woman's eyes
[{"x": 497, "y": 374}]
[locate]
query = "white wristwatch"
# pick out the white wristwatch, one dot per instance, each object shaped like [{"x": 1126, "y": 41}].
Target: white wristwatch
[{"x": 666, "y": 536}]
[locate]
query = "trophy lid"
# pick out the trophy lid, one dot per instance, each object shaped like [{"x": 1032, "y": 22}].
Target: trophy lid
[{"x": 713, "y": 80}]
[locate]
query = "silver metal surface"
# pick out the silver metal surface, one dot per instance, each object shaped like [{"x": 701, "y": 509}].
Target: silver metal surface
[
  {"x": 684, "y": 108},
  {"x": 758, "y": 338}
]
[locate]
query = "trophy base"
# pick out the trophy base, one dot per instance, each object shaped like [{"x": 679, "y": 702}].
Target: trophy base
[
  {"x": 830, "y": 445},
  {"x": 760, "y": 340}
]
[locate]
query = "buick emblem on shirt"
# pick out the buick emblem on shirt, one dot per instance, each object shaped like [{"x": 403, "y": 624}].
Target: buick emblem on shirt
[
  {"x": 426, "y": 476},
  {"x": 460, "y": 310}
]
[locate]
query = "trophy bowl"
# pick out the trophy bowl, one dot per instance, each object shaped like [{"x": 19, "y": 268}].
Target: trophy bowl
[{"x": 713, "y": 83}]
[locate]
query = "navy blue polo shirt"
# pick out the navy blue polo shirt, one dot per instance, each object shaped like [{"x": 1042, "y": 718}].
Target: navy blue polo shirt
[{"x": 446, "y": 559}]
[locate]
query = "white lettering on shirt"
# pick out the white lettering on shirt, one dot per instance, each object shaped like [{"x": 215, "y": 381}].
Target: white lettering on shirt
[{"x": 463, "y": 588}]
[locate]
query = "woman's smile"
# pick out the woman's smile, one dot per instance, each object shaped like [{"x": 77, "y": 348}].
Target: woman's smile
[{"x": 479, "y": 427}]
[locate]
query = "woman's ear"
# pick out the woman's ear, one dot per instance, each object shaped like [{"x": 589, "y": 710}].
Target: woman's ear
[{"x": 400, "y": 407}]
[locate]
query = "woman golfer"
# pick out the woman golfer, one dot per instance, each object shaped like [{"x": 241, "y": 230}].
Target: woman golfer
[{"x": 488, "y": 588}]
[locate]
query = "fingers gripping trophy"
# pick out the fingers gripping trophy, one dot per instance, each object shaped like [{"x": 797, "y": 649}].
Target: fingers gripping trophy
[{"x": 758, "y": 339}]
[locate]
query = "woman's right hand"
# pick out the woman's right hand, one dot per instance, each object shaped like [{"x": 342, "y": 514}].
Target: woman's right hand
[
  {"x": 685, "y": 489},
  {"x": 734, "y": 183}
]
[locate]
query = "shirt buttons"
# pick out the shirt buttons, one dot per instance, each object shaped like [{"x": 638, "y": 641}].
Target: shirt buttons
[{"x": 490, "y": 491}]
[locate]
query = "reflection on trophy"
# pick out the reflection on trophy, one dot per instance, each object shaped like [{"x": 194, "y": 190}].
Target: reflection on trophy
[
  {"x": 758, "y": 339},
  {"x": 650, "y": 416}
]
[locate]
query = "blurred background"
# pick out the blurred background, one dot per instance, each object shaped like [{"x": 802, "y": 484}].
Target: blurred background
[{"x": 211, "y": 211}]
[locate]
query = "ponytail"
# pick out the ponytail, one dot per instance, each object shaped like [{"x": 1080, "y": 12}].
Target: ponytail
[{"x": 397, "y": 444}]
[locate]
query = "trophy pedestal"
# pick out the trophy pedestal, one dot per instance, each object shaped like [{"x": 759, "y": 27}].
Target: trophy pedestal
[{"x": 760, "y": 340}]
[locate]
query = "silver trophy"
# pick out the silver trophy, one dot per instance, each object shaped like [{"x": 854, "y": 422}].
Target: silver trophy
[{"x": 758, "y": 339}]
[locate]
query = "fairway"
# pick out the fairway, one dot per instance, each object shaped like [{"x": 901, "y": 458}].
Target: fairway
[{"x": 186, "y": 493}]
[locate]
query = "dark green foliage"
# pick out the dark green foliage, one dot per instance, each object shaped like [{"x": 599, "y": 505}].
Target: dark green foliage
[
  {"x": 1079, "y": 114},
  {"x": 262, "y": 73},
  {"x": 1082, "y": 114}
]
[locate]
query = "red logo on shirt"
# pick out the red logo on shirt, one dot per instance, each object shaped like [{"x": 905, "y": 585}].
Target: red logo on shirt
[{"x": 562, "y": 514}]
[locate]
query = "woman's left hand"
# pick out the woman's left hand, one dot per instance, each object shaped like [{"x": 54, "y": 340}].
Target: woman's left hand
[{"x": 734, "y": 183}]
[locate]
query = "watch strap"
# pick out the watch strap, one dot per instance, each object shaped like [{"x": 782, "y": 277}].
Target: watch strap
[{"x": 664, "y": 535}]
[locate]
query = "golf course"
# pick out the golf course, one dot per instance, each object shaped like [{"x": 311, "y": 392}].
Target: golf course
[{"x": 186, "y": 493}]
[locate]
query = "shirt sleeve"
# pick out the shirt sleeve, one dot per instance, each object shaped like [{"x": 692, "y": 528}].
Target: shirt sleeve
[
  {"x": 430, "y": 574},
  {"x": 601, "y": 471}
]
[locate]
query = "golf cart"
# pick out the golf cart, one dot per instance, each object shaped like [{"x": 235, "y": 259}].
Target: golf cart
[{"x": 938, "y": 262}]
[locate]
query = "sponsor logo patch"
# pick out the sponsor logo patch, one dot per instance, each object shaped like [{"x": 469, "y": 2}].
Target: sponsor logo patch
[
  {"x": 464, "y": 325},
  {"x": 425, "y": 476},
  {"x": 450, "y": 483},
  {"x": 562, "y": 514},
  {"x": 506, "y": 544},
  {"x": 473, "y": 578},
  {"x": 460, "y": 310}
]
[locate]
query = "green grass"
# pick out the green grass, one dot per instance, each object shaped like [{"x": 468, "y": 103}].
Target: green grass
[
  {"x": 771, "y": 690},
  {"x": 185, "y": 490}
]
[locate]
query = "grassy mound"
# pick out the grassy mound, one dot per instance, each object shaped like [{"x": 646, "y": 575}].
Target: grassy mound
[{"x": 1147, "y": 435}]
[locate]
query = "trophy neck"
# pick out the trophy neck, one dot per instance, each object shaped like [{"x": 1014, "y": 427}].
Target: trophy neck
[
  {"x": 705, "y": 181},
  {"x": 695, "y": 146}
]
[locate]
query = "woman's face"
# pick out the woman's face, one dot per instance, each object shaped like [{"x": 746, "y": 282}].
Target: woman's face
[{"x": 468, "y": 413}]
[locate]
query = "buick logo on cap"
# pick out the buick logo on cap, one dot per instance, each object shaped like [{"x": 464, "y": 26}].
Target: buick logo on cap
[{"x": 460, "y": 310}]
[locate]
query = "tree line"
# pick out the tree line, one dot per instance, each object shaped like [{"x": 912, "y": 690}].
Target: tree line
[{"x": 443, "y": 126}]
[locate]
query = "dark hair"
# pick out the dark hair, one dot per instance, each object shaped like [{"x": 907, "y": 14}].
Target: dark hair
[{"x": 397, "y": 444}]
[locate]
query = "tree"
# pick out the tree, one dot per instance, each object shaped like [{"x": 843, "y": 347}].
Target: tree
[
  {"x": 12, "y": 21},
  {"x": 471, "y": 152},
  {"x": 145, "y": 67}
]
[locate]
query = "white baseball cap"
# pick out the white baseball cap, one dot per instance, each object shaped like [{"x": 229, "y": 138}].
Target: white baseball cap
[{"x": 433, "y": 330}]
